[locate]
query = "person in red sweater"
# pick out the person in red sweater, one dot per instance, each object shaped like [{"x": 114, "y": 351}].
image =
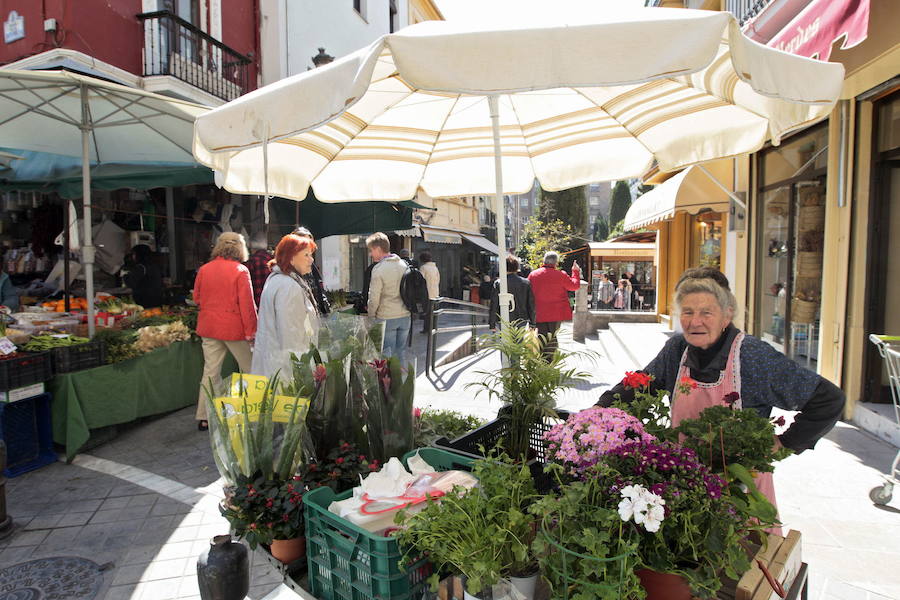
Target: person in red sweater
[
  {"x": 551, "y": 287},
  {"x": 227, "y": 319}
]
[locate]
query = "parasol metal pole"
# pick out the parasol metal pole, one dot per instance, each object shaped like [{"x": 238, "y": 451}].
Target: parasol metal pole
[
  {"x": 506, "y": 299},
  {"x": 66, "y": 242},
  {"x": 87, "y": 250}
]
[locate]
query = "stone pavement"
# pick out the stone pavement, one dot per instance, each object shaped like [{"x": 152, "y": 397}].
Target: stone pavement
[{"x": 144, "y": 505}]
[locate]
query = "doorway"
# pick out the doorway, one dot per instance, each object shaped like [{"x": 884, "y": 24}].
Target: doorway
[{"x": 883, "y": 293}]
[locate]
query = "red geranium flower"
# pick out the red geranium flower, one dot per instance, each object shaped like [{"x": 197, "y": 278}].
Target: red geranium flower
[
  {"x": 636, "y": 380},
  {"x": 339, "y": 460}
]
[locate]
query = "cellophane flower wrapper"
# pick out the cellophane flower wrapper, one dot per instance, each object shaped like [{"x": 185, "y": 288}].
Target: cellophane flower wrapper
[{"x": 254, "y": 435}]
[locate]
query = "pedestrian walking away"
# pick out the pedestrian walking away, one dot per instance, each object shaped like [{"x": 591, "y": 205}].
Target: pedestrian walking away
[
  {"x": 226, "y": 322},
  {"x": 258, "y": 264},
  {"x": 433, "y": 280},
  {"x": 551, "y": 287},
  {"x": 385, "y": 302},
  {"x": 288, "y": 319},
  {"x": 523, "y": 312}
]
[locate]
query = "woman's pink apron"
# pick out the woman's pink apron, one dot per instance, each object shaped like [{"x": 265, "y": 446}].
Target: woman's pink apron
[{"x": 705, "y": 395}]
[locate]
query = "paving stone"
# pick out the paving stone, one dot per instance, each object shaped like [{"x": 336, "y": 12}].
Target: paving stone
[
  {"x": 27, "y": 538},
  {"x": 16, "y": 554},
  {"x": 121, "y": 592},
  {"x": 176, "y": 550},
  {"x": 113, "y": 503},
  {"x": 142, "y": 499},
  {"x": 43, "y": 522},
  {"x": 62, "y": 538},
  {"x": 72, "y": 519},
  {"x": 106, "y": 516},
  {"x": 132, "y": 574},
  {"x": 138, "y": 554},
  {"x": 160, "y": 589}
]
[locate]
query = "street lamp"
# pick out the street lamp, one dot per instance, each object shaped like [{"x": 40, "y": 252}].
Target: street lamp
[{"x": 321, "y": 58}]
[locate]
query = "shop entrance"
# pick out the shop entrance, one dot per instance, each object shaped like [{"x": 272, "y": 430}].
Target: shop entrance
[
  {"x": 883, "y": 293},
  {"x": 790, "y": 246}
]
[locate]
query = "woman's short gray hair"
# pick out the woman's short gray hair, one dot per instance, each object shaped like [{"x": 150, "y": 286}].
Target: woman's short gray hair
[
  {"x": 551, "y": 258},
  {"x": 724, "y": 298}
]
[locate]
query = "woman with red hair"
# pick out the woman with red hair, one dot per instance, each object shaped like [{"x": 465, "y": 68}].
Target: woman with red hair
[{"x": 287, "y": 322}]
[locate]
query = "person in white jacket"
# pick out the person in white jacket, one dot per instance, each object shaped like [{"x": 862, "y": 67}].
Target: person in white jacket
[
  {"x": 432, "y": 280},
  {"x": 385, "y": 302},
  {"x": 287, "y": 322}
]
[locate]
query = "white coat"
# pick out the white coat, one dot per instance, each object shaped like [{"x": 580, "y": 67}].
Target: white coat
[{"x": 287, "y": 324}]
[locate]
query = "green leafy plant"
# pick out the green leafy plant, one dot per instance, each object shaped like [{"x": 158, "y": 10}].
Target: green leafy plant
[
  {"x": 527, "y": 384},
  {"x": 340, "y": 469},
  {"x": 430, "y": 424},
  {"x": 722, "y": 436},
  {"x": 261, "y": 510},
  {"x": 484, "y": 534},
  {"x": 585, "y": 549},
  {"x": 648, "y": 406},
  {"x": 119, "y": 344}
]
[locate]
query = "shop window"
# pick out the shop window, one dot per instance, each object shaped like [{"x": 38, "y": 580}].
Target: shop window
[
  {"x": 790, "y": 246},
  {"x": 707, "y": 249}
]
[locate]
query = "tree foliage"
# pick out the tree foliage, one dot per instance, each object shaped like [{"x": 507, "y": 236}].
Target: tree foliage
[
  {"x": 601, "y": 229},
  {"x": 621, "y": 202},
  {"x": 539, "y": 237},
  {"x": 569, "y": 206}
]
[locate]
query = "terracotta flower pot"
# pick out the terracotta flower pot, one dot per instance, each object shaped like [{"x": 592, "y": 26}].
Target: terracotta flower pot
[
  {"x": 664, "y": 586},
  {"x": 287, "y": 551}
]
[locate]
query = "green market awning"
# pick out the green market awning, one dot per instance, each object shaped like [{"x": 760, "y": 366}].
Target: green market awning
[
  {"x": 47, "y": 172},
  {"x": 324, "y": 219}
]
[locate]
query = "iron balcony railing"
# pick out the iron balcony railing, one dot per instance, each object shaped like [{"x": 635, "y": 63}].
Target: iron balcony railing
[
  {"x": 745, "y": 10},
  {"x": 174, "y": 47}
]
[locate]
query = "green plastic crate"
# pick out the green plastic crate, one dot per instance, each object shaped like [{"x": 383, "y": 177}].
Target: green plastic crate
[{"x": 346, "y": 562}]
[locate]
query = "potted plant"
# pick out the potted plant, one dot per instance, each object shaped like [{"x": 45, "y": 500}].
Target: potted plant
[
  {"x": 430, "y": 424},
  {"x": 585, "y": 548},
  {"x": 340, "y": 469},
  {"x": 256, "y": 441},
  {"x": 485, "y": 534},
  {"x": 269, "y": 513},
  {"x": 527, "y": 384}
]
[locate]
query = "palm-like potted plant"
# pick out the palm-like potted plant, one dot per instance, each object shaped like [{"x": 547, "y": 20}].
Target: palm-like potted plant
[
  {"x": 485, "y": 534},
  {"x": 527, "y": 384}
]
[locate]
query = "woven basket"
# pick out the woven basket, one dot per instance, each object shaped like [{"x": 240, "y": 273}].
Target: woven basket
[
  {"x": 804, "y": 311},
  {"x": 808, "y": 285},
  {"x": 809, "y": 264},
  {"x": 812, "y": 218}
]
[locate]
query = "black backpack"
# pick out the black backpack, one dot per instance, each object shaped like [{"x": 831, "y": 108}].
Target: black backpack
[{"x": 414, "y": 291}]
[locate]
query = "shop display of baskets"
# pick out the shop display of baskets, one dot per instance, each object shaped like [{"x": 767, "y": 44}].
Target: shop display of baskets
[{"x": 804, "y": 311}]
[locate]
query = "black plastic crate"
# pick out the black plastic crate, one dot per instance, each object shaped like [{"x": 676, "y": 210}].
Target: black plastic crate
[
  {"x": 24, "y": 370},
  {"x": 26, "y": 429},
  {"x": 489, "y": 435},
  {"x": 67, "y": 359}
]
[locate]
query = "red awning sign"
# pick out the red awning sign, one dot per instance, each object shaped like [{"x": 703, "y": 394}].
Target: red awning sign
[{"x": 812, "y": 32}]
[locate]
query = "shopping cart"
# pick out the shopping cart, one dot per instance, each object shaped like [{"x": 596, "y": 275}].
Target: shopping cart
[{"x": 889, "y": 348}]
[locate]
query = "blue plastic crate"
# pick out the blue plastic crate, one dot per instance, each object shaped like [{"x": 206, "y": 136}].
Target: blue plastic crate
[{"x": 26, "y": 428}]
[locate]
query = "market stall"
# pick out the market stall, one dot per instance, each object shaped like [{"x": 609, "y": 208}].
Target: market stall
[{"x": 124, "y": 392}]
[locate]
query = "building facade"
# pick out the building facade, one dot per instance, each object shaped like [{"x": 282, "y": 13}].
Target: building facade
[
  {"x": 814, "y": 261},
  {"x": 204, "y": 51}
]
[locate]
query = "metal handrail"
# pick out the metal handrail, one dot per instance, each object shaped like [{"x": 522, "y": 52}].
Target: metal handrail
[
  {"x": 215, "y": 67},
  {"x": 434, "y": 313}
]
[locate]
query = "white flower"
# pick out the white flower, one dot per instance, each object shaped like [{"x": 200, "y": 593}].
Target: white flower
[{"x": 642, "y": 505}]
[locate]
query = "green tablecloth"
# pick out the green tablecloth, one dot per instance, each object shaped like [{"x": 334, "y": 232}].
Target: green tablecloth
[{"x": 164, "y": 380}]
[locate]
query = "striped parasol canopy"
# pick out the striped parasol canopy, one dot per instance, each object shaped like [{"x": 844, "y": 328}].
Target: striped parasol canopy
[{"x": 586, "y": 95}]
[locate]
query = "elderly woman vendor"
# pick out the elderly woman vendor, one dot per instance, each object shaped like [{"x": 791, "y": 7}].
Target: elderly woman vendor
[{"x": 721, "y": 359}]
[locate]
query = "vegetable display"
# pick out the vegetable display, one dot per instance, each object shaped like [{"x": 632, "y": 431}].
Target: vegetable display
[{"x": 42, "y": 343}]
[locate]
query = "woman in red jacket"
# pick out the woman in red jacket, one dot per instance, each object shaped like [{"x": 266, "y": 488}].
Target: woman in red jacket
[
  {"x": 551, "y": 287},
  {"x": 227, "y": 319}
]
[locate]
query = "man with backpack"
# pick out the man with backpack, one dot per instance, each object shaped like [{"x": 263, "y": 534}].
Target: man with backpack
[{"x": 385, "y": 301}]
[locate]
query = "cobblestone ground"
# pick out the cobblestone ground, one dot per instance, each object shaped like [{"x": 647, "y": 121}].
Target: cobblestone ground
[{"x": 144, "y": 505}]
